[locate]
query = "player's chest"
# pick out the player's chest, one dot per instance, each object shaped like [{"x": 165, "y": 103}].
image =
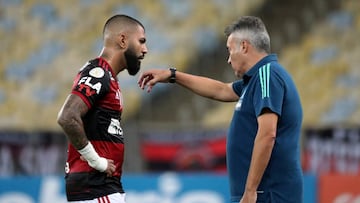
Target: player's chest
[{"x": 113, "y": 99}]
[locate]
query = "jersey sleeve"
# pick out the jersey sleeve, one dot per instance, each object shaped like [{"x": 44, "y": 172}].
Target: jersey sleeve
[
  {"x": 238, "y": 87},
  {"x": 269, "y": 91},
  {"x": 91, "y": 84}
]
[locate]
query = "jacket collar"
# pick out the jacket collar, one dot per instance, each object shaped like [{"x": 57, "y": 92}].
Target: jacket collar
[{"x": 267, "y": 59}]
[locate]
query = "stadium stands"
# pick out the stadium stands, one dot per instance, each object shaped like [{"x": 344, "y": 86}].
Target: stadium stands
[
  {"x": 45, "y": 43},
  {"x": 324, "y": 66}
]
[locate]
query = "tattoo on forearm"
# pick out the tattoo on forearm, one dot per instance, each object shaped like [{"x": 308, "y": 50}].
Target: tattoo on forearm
[
  {"x": 72, "y": 123},
  {"x": 75, "y": 133}
]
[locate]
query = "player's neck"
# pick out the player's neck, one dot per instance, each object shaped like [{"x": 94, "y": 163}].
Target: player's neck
[{"x": 116, "y": 61}]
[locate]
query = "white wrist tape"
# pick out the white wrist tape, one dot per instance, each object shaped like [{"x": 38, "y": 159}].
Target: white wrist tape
[{"x": 93, "y": 159}]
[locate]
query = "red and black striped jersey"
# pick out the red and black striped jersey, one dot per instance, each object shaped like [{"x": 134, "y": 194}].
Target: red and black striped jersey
[{"x": 97, "y": 86}]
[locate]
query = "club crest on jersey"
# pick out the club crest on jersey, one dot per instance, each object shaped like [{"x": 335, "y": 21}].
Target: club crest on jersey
[
  {"x": 97, "y": 72},
  {"x": 90, "y": 88},
  {"x": 239, "y": 103}
]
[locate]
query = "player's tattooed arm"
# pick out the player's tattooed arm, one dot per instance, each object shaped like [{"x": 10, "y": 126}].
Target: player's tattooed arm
[{"x": 69, "y": 119}]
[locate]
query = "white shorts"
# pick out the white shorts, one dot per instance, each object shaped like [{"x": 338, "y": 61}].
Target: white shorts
[{"x": 113, "y": 198}]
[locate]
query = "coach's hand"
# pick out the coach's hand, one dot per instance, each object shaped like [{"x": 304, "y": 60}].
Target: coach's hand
[
  {"x": 249, "y": 197},
  {"x": 151, "y": 77}
]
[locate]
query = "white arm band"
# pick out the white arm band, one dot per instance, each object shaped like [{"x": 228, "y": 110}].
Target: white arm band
[{"x": 93, "y": 159}]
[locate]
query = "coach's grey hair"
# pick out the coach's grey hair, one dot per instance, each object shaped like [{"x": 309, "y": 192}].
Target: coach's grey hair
[{"x": 252, "y": 29}]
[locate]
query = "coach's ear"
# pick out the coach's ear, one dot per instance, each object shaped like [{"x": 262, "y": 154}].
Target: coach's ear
[{"x": 244, "y": 46}]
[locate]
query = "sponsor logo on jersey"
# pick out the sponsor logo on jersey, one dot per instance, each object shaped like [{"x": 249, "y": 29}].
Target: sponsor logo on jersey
[
  {"x": 90, "y": 88},
  {"x": 115, "y": 128}
]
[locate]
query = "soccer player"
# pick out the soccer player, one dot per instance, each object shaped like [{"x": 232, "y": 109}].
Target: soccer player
[
  {"x": 263, "y": 150},
  {"x": 90, "y": 116}
]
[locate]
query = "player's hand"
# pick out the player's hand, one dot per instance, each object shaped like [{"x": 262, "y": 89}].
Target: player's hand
[
  {"x": 110, "y": 168},
  {"x": 151, "y": 77}
]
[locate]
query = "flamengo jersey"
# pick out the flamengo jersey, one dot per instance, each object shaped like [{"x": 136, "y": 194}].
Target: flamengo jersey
[
  {"x": 266, "y": 85},
  {"x": 98, "y": 87}
]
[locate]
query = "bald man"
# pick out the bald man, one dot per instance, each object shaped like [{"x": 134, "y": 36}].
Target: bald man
[{"x": 91, "y": 114}]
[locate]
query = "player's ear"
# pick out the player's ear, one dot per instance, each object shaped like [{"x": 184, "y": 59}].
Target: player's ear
[{"x": 122, "y": 40}]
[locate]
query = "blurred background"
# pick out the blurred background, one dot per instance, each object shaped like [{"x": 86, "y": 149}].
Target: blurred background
[{"x": 173, "y": 137}]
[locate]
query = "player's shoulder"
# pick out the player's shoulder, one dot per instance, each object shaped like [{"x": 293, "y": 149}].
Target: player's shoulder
[{"x": 93, "y": 69}]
